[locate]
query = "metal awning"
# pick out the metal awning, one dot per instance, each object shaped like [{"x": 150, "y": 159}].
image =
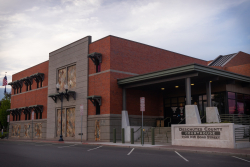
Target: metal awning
[
  {"x": 25, "y": 110},
  {"x": 95, "y": 98},
  {"x": 38, "y": 77},
  {"x": 14, "y": 111},
  {"x": 95, "y": 57},
  {"x": 54, "y": 96},
  {"x": 36, "y": 108},
  {"x": 181, "y": 72},
  {"x": 27, "y": 80},
  {"x": 66, "y": 95}
]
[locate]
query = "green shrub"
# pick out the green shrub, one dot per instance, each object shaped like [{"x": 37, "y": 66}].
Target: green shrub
[{"x": 4, "y": 135}]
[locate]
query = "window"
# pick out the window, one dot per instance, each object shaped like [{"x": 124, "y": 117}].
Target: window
[
  {"x": 98, "y": 67},
  {"x": 238, "y": 103},
  {"x": 68, "y": 122},
  {"x": 97, "y": 107},
  {"x": 27, "y": 116},
  {"x": 67, "y": 76}
]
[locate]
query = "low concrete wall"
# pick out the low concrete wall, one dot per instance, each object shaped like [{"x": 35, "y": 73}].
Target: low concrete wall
[
  {"x": 23, "y": 129},
  {"x": 204, "y": 135},
  {"x": 107, "y": 122}
]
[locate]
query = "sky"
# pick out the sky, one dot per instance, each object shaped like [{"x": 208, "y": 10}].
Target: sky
[{"x": 204, "y": 29}]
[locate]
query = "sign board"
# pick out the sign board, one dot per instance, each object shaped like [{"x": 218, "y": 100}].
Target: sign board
[
  {"x": 80, "y": 133},
  {"x": 81, "y": 109},
  {"x": 142, "y": 103},
  {"x": 8, "y": 118},
  {"x": 32, "y": 115}
]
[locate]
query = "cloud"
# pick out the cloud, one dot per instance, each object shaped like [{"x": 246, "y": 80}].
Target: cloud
[
  {"x": 35, "y": 8},
  {"x": 31, "y": 30}
]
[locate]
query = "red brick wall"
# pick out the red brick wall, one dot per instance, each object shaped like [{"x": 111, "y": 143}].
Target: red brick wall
[
  {"x": 41, "y": 68},
  {"x": 100, "y": 85},
  {"x": 241, "y": 69},
  {"x": 128, "y": 56},
  {"x": 116, "y": 93},
  {"x": 240, "y": 59},
  {"x": 101, "y": 46},
  {"x": 153, "y": 102},
  {"x": 35, "y": 96},
  {"x": 139, "y": 58}
]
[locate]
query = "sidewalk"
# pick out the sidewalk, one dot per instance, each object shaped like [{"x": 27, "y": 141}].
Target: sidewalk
[{"x": 162, "y": 146}]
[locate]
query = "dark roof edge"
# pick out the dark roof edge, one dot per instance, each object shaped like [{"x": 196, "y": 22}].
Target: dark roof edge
[{"x": 190, "y": 67}]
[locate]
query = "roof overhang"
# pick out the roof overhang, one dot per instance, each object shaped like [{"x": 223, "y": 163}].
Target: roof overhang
[{"x": 181, "y": 72}]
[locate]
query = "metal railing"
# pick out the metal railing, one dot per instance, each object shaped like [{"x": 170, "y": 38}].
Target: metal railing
[
  {"x": 168, "y": 121},
  {"x": 182, "y": 120},
  {"x": 241, "y": 119},
  {"x": 242, "y": 134}
]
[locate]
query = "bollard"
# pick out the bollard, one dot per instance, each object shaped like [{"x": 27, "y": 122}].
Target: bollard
[
  {"x": 114, "y": 135},
  {"x": 123, "y": 135},
  {"x": 132, "y": 135},
  {"x": 142, "y": 137},
  {"x": 153, "y": 136}
]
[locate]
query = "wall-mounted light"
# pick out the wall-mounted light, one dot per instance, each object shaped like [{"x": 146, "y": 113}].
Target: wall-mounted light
[
  {"x": 210, "y": 81},
  {"x": 192, "y": 84},
  {"x": 162, "y": 88},
  {"x": 176, "y": 86}
]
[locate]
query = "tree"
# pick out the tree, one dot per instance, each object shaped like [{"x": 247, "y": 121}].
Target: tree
[{"x": 5, "y": 105}]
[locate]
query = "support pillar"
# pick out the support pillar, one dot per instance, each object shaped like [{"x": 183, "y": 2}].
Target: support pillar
[
  {"x": 124, "y": 99},
  {"x": 208, "y": 90},
  {"x": 188, "y": 90}
]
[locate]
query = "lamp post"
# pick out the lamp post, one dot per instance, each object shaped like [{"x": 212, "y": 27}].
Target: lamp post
[{"x": 61, "y": 94}]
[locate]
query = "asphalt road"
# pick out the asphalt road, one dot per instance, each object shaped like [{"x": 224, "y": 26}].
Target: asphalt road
[{"x": 20, "y": 154}]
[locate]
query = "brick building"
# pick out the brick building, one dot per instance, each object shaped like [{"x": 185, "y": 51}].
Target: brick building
[{"x": 109, "y": 76}]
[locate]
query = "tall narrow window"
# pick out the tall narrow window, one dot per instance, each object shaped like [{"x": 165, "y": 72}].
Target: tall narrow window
[
  {"x": 231, "y": 103},
  {"x": 98, "y": 66},
  {"x": 62, "y": 76},
  {"x": 97, "y": 106},
  {"x": 70, "y": 122},
  {"x": 40, "y": 115},
  {"x": 71, "y": 76},
  {"x": 37, "y": 114}
]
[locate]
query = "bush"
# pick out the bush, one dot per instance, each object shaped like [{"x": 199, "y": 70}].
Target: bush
[{"x": 4, "y": 135}]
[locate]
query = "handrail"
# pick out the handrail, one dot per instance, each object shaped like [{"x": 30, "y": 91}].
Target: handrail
[
  {"x": 138, "y": 129},
  {"x": 166, "y": 119},
  {"x": 236, "y": 118},
  {"x": 203, "y": 117},
  {"x": 181, "y": 121}
]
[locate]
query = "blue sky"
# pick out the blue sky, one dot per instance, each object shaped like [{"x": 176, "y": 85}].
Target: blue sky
[{"x": 31, "y": 29}]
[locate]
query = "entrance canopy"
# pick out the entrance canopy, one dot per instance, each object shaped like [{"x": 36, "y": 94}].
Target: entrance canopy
[
  {"x": 192, "y": 74},
  {"x": 197, "y": 72}
]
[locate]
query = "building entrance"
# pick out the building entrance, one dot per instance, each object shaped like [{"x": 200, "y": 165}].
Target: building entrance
[{"x": 174, "y": 108}]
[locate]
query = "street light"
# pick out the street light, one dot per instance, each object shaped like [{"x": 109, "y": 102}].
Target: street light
[{"x": 61, "y": 94}]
